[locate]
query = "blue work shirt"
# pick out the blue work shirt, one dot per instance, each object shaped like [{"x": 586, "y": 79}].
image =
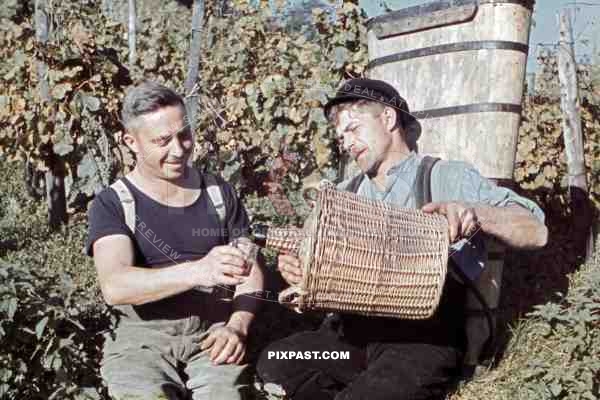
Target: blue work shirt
[{"x": 450, "y": 181}]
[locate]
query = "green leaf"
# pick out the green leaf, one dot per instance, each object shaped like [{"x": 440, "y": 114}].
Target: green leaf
[
  {"x": 149, "y": 60},
  {"x": 40, "y": 327},
  {"x": 12, "y": 308},
  {"x": 90, "y": 102},
  {"x": 341, "y": 55},
  {"x": 72, "y": 72},
  {"x": 555, "y": 388},
  {"x": 59, "y": 91},
  {"x": 62, "y": 149},
  {"x": 231, "y": 170},
  {"x": 87, "y": 166}
]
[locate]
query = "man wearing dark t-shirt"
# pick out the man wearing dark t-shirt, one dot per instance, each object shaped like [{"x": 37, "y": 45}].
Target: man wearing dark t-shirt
[{"x": 175, "y": 336}]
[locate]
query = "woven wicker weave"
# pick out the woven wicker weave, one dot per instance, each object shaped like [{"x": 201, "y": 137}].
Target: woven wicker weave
[{"x": 366, "y": 257}]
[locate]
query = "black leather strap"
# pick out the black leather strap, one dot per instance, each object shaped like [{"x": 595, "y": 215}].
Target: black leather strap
[
  {"x": 423, "y": 181},
  {"x": 354, "y": 184}
]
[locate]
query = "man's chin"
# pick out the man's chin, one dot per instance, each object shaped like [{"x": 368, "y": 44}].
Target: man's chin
[{"x": 175, "y": 171}]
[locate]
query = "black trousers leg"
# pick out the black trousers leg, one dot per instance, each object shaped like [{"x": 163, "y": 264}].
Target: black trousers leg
[
  {"x": 410, "y": 371},
  {"x": 390, "y": 358},
  {"x": 311, "y": 379}
]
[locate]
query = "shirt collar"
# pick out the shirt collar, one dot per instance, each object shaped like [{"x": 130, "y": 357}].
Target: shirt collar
[{"x": 405, "y": 165}]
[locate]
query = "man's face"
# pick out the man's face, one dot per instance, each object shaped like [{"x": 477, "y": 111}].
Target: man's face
[
  {"x": 163, "y": 142},
  {"x": 363, "y": 134}
]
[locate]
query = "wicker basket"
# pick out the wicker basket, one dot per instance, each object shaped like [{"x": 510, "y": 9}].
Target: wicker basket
[{"x": 366, "y": 257}]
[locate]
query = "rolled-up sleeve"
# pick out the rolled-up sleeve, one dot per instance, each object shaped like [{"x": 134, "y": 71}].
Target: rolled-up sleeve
[{"x": 475, "y": 188}]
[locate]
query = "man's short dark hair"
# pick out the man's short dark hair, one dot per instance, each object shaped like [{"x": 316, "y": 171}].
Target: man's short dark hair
[
  {"x": 371, "y": 105},
  {"x": 147, "y": 98}
]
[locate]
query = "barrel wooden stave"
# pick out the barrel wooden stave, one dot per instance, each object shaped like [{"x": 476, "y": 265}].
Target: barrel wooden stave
[
  {"x": 472, "y": 138},
  {"x": 481, "y": 78},
  {"x": 474, "y": 67},
  {"x": 490, "y": 23}
]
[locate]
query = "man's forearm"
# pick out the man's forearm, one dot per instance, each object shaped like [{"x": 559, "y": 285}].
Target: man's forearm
[
  {"x": 246, "y": 301},
  {"x": 137, "y": 285},
  {"x": 513, "y": 225}
]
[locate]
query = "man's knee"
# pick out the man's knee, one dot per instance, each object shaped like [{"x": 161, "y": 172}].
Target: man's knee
[
  {"x": 212, "y": 382},
  {"x": 132, "y": 373},
  {"x": 133, "y": 391}
]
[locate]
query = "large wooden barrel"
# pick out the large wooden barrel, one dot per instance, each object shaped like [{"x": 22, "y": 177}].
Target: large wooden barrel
[{"x": 461, "y": 67}]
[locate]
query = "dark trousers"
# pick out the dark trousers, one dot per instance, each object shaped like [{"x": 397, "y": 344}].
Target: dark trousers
[{"x": 389, "y": 358}]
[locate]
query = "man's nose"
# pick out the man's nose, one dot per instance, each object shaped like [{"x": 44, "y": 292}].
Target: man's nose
[
  {"x": 177, "y": 148},
  {"x": 345, "y": 141}
]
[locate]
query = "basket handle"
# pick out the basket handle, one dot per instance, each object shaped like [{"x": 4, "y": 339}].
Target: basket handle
[{"x": 290, "y": 298}]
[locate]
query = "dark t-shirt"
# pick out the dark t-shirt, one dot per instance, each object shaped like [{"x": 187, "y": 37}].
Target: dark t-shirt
[{"x": 168, "y": 235}]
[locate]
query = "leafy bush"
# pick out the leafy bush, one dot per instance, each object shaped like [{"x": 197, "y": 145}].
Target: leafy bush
[
  {"x": 541, "y": 160},
  {"x": 555, "y": 352},
  {"x": 571, "y": 368},
  {"x": 259, "y": 89},
  {"x": 49, "y": 309},
  {"x": 48, "y": 335}
]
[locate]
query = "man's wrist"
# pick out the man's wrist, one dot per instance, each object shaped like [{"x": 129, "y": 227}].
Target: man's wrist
[
  {"x": 240, "y": 322},
  {"x": 486, "y": 215},
  {"x": 200, "y": 277}
]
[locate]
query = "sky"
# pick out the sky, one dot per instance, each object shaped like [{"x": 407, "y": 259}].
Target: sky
[{"x": 586, "y": 24}]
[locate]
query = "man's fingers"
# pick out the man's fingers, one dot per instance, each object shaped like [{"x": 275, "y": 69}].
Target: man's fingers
[
  {"x": 286, "y": 259},
  {"x": 439, "y": 208},
  {"x": 234, "y": 260},
  {"x": 230, "y": 255},
  {"x": 240, "y": 359},
  {"x": 217, "y": 348},
  {"x": 208, "y": 342},
  {"x": 290, "y": 264},
  {"x": 469, "y": 223},
  {"x": 449, "y": 212},
  {"x": 241, "y": 356},
  {"x": 229, "y": 280},
  {"x": 291, "y": 269},
  {"x": 453, "y": 224},
  {"x": 291, "y": 273},
  {"x": 233, "y": 359},
  {"x": 229, "y": 251},
  {"x": 291, "y": 278},
  {"x": 468, "y": 230},
  {"x": 232, "y": 270},
  {"x": 227, "y": 351}
]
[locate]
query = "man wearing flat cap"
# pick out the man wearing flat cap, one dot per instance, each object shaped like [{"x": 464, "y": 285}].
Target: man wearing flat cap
[{"x": 392, "y": 358}]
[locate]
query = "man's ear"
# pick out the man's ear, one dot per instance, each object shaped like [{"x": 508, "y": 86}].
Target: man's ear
[
  {"x": 390, "y": 116},
  {"x": 130, "y": 139}
]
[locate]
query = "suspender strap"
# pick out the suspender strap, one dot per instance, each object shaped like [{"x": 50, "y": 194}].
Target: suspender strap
[
  {"x": 127, "y": 202},
  {"x": 213, "y": 190},
  {"x": 423, "y": 181},
  {"x": 215, "y": 194},
  {"x": 354, "y": 183}
]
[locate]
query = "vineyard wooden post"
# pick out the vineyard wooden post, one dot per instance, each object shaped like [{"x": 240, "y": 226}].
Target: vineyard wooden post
[
  {"x": 108, "y": 9},
  {"x": 131, "y": 34},
  {"x": 55, "y": 176},
  {"x": 194, "y": 62},
  {"x": 573, "y": 136},
  {"x": 41, "y": 35}
]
